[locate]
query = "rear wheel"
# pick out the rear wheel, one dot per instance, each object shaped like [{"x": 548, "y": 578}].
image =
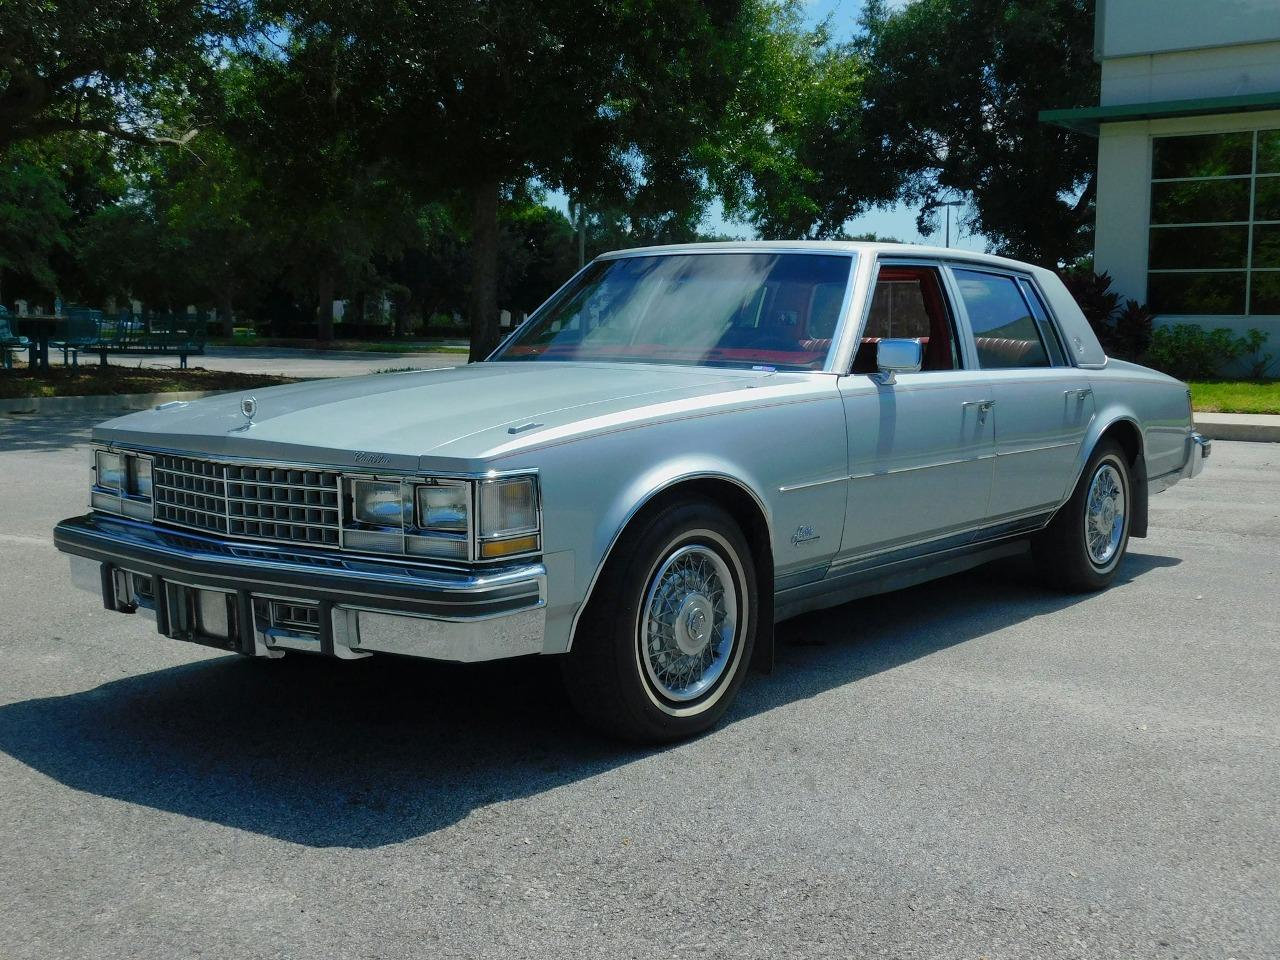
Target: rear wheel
[
  {"x": 664, "y": 646},
  {"x": 1081, "y": 549}
]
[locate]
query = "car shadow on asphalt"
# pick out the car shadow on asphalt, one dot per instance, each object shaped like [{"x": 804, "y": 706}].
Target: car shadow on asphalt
[{"x": 376, "y": 752}]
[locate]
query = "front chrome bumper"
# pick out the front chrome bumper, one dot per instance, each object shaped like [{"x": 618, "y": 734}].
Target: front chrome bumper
[
  {"x": 262, "y": 600},
  {"x": 1200, "y": 447}
]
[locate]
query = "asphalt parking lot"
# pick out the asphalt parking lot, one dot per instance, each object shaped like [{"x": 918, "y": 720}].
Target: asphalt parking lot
[{"x": 973, "y": 768}]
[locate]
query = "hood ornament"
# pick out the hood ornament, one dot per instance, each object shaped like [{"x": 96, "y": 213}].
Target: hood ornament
[{"x": 248, "y": 407}]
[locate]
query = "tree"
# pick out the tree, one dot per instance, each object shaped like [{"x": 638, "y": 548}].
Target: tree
[
  {"x": 952, "y": 97},
  {"x": 536, "y": 254},
  {"x": 793, "y": 159},
  {"x": 108, "y": 67},
  {"x": 609, "y": 102},
  {"x": 210, "y": 210},
  {"x": 332, "y": 201},
  {"x": 33, "y": 216}
]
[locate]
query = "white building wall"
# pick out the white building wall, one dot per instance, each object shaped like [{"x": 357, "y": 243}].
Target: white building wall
[
  {"x": 1123, "y": 204},
  {"x": 1160, "y": 50},
  {"x": 1129, "y": 27},
  {"x": 1124, "y": 207},
  {"x": 1193, "y": 74}
]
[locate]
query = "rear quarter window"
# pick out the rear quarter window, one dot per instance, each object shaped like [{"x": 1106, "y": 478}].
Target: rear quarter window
[{"x": 1005, "y": 331}]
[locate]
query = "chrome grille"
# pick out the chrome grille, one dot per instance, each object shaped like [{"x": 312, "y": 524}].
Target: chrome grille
[
  {"x": 190, "y": 493},
  {"x": 258, "y": 503}
]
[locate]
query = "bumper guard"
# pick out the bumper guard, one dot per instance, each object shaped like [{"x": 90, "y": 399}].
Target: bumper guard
[{"x": 264, "y": 599}]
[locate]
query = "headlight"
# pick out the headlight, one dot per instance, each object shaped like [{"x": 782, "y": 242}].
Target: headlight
[
  {"x": 450, "y": 519},
  {"x": 139, "y": 473},
  {"x": 444, "y": 506},
  {"x": 110, "y": 471},
  {"x": 377, "y": 502},
  {"x": 122, "y": 484},
  {"x": 508, "y": 517}
]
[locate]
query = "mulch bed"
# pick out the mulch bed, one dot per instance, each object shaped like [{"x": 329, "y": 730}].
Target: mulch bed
[{"x": 101, "y": 381}]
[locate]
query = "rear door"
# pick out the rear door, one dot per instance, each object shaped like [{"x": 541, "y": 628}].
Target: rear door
[
  {"x": 921, "y": 449},
  {"x": 1043, "y": 404}
]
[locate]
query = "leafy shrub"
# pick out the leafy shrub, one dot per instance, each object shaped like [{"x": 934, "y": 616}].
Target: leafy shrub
[
  {"x": 1259, "y": 362},
  {"x": 1189, "y": 352},
  {"x": 1124, "y": 331},
  {"x": 1092, "y": 291},
  {"x": 1130, "y": 332}
]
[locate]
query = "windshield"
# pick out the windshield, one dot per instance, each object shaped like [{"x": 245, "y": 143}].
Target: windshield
[{"x": 776, "y": 310}]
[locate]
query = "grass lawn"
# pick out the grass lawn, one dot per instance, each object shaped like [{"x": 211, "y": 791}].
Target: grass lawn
[
  {"x": 1236, "y": 396},
  {"x": 95, "y": 380}
]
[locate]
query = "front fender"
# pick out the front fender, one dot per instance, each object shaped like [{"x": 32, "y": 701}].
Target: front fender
[
  {"x": 593, "y": 488},
  {"x": 647, "y": 487}
]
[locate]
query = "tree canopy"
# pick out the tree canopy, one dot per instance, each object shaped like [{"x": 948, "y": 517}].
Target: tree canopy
[
  {"x": 950, "y": 105},
  {"x": 119, "y": 67},
  {"x": 266, "y": 157}
]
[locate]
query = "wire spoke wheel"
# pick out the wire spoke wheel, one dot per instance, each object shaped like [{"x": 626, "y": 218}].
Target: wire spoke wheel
[
  {"x": 1104, "y": 515},
  {"x": 689, "y": 623}
]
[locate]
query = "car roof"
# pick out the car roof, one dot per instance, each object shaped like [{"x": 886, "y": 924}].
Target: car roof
[{"x": 876, "y": 248}]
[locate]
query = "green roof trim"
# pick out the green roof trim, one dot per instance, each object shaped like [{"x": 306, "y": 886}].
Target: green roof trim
[{"x": 1088, "y": 119}]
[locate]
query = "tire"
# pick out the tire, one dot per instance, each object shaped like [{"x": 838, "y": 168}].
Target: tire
[
  {"x": 1082, "y": 548},
  {"x": 646, "y": 665}
]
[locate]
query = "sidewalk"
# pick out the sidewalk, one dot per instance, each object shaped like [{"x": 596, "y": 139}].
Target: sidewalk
[{"x": 1239, "y": 426}]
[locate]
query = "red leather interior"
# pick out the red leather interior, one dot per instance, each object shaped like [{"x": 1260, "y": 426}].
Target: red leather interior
[
  {"x": 938, "y": 345},
  {"x": 1005, "y": 351}
]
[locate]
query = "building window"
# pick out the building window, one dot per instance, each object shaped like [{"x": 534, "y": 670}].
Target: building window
[{"x": 1215, "y": 224}]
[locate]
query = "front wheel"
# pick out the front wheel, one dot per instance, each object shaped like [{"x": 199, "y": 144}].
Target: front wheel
[
  {"x": 1082, "y": 547},
  {"x": 664, "y": 645}
]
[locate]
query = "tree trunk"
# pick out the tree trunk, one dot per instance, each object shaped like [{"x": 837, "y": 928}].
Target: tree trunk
[
  {"x": 324, "y": 309},
  {"x": 226, "y": 314},
  {"x": 399, "y": 316},
  {"x": 360, "y": 307},
  {"x": 484, "y": 270}
]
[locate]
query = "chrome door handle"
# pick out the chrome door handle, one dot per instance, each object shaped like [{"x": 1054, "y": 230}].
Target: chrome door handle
[
  {"x": 984, "y": 407},
  {"x": 1083, "y": 393}
]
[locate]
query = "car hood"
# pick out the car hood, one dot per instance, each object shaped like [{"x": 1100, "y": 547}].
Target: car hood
[{"x": 399, "y": 419}]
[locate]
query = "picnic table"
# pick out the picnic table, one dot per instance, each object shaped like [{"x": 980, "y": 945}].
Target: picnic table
[
  {"x": 80, "y": 329},
  {"x": 39, "y": 328}
]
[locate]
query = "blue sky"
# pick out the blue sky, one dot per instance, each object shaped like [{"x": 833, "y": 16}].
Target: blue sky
[{"x": 898, "y": 221}]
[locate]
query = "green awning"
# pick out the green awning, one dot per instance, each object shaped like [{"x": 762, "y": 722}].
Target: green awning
[{"x": 1088, "y": 119}]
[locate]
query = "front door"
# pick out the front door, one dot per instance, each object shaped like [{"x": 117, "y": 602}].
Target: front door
[
  {"x": 921, "y": 450},
  {"x": 1043, "y": 404}
]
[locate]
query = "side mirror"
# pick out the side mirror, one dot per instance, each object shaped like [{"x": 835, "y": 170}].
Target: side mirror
[{"x": 898, "y": 356}]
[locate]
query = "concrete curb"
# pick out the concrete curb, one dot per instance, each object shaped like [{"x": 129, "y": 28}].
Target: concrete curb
[
  {"x": 1260, "y": 428},
  {"x": 109, "y": 403}
]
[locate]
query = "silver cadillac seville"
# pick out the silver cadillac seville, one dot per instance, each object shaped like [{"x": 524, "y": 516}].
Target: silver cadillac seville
[{"x": 682, "y": 447}]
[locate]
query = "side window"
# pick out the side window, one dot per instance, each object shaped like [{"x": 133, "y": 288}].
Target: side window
[
  {"x": 1004, "y": 330},
  {"x": 908, "y": 303},
  {"x": 1050, "y": 336},
  {"x": 898, "y": 310}
]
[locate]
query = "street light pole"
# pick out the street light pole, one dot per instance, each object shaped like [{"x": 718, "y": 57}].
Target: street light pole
[
  {"x": 578, "y": 218},
  {"x": 949, "y": 204}
]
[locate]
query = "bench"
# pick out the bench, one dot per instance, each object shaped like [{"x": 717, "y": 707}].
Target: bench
[{"x": 164, "y": 335}]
